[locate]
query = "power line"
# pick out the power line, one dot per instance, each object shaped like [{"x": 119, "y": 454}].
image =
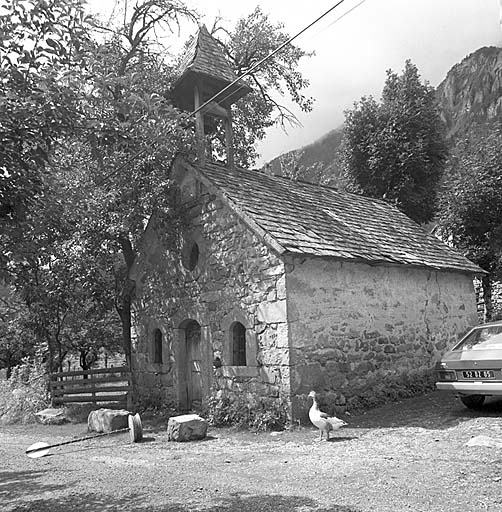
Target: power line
[
  {"x": 249, "y": 71},
  {"x": 262, "y": 61}
]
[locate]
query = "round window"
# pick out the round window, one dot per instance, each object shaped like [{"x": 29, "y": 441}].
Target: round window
[{"x": 190, "y": 255}]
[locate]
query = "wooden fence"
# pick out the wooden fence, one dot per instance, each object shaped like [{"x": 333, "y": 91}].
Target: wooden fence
[{"x": 111, "y": 385}]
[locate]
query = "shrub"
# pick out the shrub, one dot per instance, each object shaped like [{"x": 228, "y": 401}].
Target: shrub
[
  {"x": 256, "y": 414},
  {"x": 24, "y": 393}
]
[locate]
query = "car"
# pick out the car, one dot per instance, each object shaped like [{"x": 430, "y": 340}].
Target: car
[{"x": 473, "y": 367}]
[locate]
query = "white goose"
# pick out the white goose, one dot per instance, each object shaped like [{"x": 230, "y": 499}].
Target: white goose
[{"x": 321, "y": 420}]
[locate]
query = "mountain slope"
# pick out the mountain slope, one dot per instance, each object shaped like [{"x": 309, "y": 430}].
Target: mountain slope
[
  {"x": 471, "y": 93},
  {"x": 312, "y": 162}
]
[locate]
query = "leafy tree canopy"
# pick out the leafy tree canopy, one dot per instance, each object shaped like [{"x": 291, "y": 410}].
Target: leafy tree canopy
[
  {"x": 253, "y": 38},
  {"x": 97, "y": 139},
  {"x": 471, "y": 205},
  {"x": 395, "y": 149},
  {"x": 39, "y": 45}
]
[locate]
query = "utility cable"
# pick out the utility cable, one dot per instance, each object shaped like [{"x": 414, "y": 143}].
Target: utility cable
[{"x": 267, "y": 57}]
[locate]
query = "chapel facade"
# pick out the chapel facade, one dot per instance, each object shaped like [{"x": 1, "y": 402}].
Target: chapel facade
[{"x": 279, "y": 287}]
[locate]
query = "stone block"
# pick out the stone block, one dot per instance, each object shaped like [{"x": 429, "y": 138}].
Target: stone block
[
  {"x": 51, "y": 417},
  {"x": 188, "y": 427},
  {"x": 107, "y": 420},
  {"x": 272, "y": 312}
]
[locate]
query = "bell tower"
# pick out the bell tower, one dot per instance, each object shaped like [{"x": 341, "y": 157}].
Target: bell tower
[{"x": 204, "y": 72}]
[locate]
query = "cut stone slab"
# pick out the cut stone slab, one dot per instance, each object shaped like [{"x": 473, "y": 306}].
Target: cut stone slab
[
  {"x": 187, "y": 427},
  {"x": 51, "y": 416},
  {"x": 107, "y": 420},
  {"x": 485, "y": 441}
]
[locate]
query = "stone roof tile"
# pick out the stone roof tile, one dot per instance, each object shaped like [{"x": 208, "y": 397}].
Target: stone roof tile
[
  {"x": 205, "y": 56},
  {"x": 322, "y": 221}
]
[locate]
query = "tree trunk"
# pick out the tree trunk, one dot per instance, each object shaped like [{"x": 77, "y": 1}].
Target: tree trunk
[
  {"x": 125, "y": 317},
  {"x": 124, "y": 308},
  {"x": 486, "y": 283},
  {"x": 10, "y": 365}
]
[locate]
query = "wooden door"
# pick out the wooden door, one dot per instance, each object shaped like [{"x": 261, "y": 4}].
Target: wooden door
[{"x": 194, "y": 365}]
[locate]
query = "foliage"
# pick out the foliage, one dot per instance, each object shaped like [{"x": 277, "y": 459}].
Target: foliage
[
  {"x": 471, "y": 204},
  {"x": 257, "y": 414},
  {"x": 38, "y": 42},
  {"x": 103, "y": 178},
  {"x": 24, "y": 393},
  {"x": 395, "y": 149},
  {"x": 15, "y": 338},
  {"x": 100, "y": 168},
  {"x": 289, "y": 165}
]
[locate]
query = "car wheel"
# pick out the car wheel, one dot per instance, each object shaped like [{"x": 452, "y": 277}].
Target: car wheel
[{"x": 473, "y": 401}]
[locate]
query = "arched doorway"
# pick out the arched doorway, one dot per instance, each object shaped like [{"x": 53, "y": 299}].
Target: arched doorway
[{"x": 190, "y": 366}]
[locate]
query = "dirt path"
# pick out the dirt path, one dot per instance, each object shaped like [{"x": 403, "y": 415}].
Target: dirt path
[{"x": 406, "y": 456}]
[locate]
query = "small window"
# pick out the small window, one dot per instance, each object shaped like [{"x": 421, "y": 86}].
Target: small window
[
  {"x": 238, "y": 345},
  {"x": 157, "y": 346},
  {"x": 190, "y": 255}
]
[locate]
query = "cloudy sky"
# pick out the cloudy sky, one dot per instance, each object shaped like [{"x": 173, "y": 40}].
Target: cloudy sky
[{"x": 353, "y": 53}]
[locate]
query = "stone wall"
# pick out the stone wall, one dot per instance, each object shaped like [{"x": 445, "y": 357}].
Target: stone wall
[
  {"x": 361, "y": 334},
  {"x": 237, "y": 279}
]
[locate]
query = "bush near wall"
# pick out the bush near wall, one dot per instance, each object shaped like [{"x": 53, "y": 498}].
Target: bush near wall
[{"x": 256, "y": 414}]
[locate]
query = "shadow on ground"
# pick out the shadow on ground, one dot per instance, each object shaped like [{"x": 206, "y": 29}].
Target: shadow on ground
[
  {"x": 436, "y": 410},
  {"x": 18, "y": 485},
  {"x": 265, "y": 503}
]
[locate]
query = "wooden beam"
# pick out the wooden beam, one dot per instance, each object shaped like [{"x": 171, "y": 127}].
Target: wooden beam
[
  {"x": 102, "y": 398},
  {"x": 229, "y": 138},
  {"x": 117, "y": 369},
  {"x": 199, "y": 123},
  {"x": 83, "y": 382},
  {"x": 215, "y": 110},
  {"x": 88, "y": 390}
]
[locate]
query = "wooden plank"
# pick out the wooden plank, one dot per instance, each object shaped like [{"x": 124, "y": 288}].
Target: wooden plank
[
  {"x": 80, "y": 382},
  {"x": 95, "y": 399},
  {"x": 76, "y": 391},
  {"x": 117, "y": 369}
]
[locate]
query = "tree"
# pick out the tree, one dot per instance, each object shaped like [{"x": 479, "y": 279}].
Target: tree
[
  {"x": 15, "y": 337},
  {"x": 106, "y": 169},
  {"x": 253, "y": 38},
  {"x": 126, "y": 162},
  {"x": 38, "y": 42},
  {"x": 289, "y": 166},
  {"x": 470, "y": 215},
  {"x": 102, "y": 170},
  {"x": 395, "y": 149},
  {"x": 67, "y": 289}
]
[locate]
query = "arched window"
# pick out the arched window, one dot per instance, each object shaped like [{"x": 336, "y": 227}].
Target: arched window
[
  {"x": 190, "y": 255},
  {"x": 238, "y": 344},
  {"x": 157, "y": 346}
]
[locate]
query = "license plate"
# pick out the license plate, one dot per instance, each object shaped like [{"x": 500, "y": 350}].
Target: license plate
[{"x": 478, "y": 374}]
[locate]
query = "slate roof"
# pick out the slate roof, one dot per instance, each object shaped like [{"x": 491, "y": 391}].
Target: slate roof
[
  {"x": 206, "y": 57},
  {"x": 305, "y": 219}
]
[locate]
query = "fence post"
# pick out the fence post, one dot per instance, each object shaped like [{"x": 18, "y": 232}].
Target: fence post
[{"x": 129, "y": 403}]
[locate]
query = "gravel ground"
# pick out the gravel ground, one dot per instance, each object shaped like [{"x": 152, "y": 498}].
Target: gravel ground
[{"x": 411, "y": 455}]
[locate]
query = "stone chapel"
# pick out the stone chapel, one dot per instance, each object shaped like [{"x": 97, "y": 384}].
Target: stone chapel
[{"x": 283, "y": 287}]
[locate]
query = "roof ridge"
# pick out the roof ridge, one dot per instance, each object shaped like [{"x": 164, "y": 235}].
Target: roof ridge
[{"x": 309, "y": 184}]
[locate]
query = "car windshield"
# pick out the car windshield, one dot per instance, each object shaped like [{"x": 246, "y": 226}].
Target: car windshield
[{"x": 482, "y": 338}]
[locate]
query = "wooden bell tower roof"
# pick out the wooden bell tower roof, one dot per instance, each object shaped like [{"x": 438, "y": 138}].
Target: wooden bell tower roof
[{"x": 205, "y": 62}]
